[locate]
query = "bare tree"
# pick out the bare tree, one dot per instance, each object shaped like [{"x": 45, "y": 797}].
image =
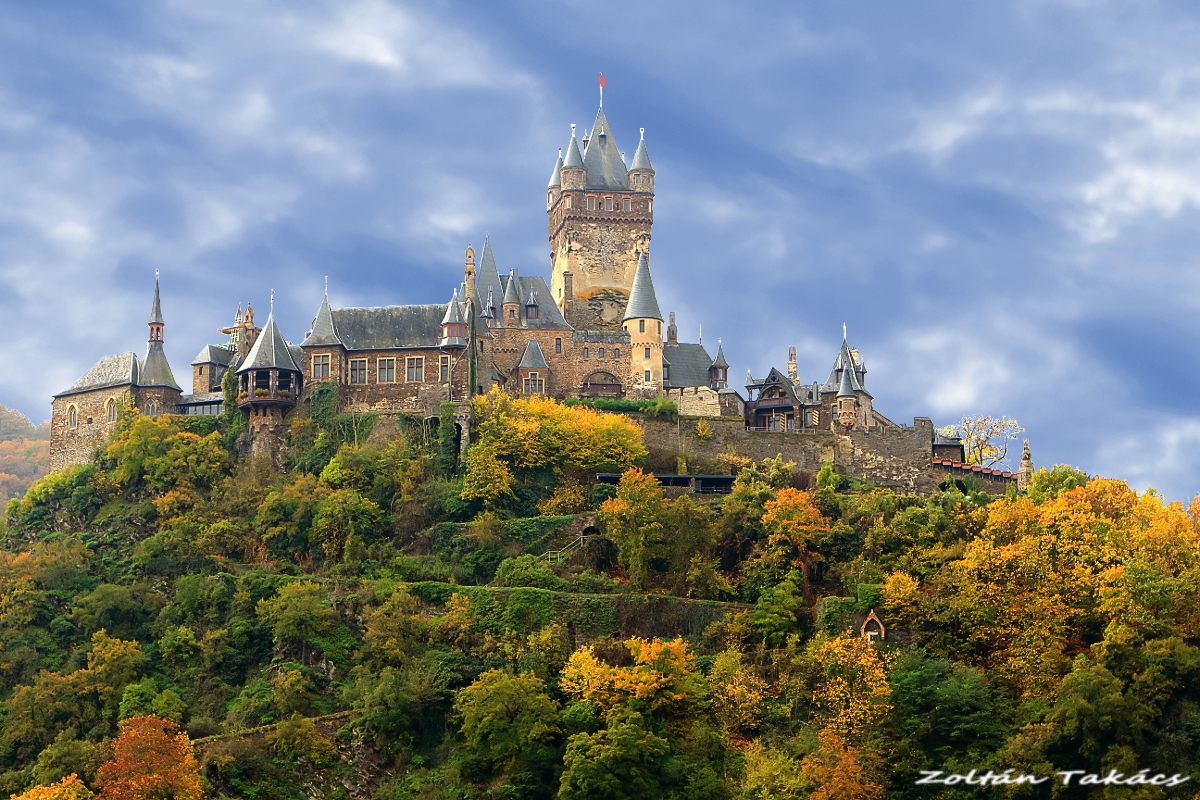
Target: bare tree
[{"x": 985, "y": 439}]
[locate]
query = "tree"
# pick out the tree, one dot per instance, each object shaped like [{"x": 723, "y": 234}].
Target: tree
[
  {"x": 69, "y": 788},
  {"x": 508, "y": 719},
  {"x": 622, "y": 762},
  {"x": 633, "y": 521},
  {"x": 152, "y": 760},
  {"x": 985, "y": 439},
  {"x": 299, "y": 613}
]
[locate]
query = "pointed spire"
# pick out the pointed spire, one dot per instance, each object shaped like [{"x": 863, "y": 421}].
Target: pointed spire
[
  {"x": 574, "y": 157},
  {"x": 512, "y": 292},
  {"x": 324, "y": 331},
  {"x": 454, "y": 315},
  {"x": 556, "y": 175},
  {"x": 487, "y": 277},
  {"x": 641, "y": 158},
  {"x": 643, "y": 304},
  {"x": 270, "y": 350},
  {"x": 720, "y": 361},
  {"x": 846, "y": 389},
  {"x": 605, "y": 168},
  {"x": 156, "y": 317}
]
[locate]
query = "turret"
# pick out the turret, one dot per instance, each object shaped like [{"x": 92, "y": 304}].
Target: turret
[
  {"x": 554, "y": 188},
  {"x": 793, "y": 367},
  {"x": 154, "y": 369},
  {"x": 512, "y": 303},
  {"x": 672, "y": 330},
  {"x": 643, "y": 321},
  {"x": 454, "y": 324},
  {"x": 718, "y": 372},
  {"x": 469, "y": 273},
  {"x": 641, "y": 174},
  {"x": 574, "y": 173},
  {"x": 1025, "y": 473},
  {"x": 269, "y": 380},
  {"x": 847, "y": 401},
  {"x": 156, "y": 317}
]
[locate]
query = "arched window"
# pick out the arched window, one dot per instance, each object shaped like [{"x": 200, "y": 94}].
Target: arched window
[
  {"x": 72, "y": 418},
  {"x": 112, "y": 410}
]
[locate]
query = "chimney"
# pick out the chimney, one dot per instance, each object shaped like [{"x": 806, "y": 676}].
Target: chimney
[
  {"x": 672, "y": 331},
  {"x": 793, "y": 370},
  {"x": 568, "y": 286},
  {"x": 854, "y": 355}
]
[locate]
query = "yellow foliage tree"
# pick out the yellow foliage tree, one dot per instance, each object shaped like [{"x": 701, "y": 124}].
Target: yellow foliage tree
[
  {"x": 69, "y": 788},
  {"x": 663, "y": 677},
  {"x": 854, "y": 694}
]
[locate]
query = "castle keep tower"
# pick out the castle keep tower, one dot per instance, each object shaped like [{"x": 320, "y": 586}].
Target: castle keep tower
[{"x": 600, "y": 213}]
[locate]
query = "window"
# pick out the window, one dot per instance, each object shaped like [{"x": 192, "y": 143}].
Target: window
[
  {"x": 387, "y": 370},
  {"x": 666, "y": 373},
  {"x": 72, "y": 418},
  {"x": 625, "y": 205},
  {"x": 585, "y": 352},
  {"x": 641, "y": 326},
  {"x": 600, "y": 352},
  {"x": 445, "y": 369},
  {"x": 558, "y": 345},
  {"x": 320, "y": 366},
  {"x": 647, "y": 353},
  {"x": 647, "y": 376},
  {"x": 531, "y": 312},
  {"x": 534, "y": 384},
  {"x": 358, "y": 370},
  {"x": 201, "y": 369},
  {"x": 568, "y": 201},
  {"x": 650, "y": 206},
  {"x": 608, "y": 204},
  {"x": 150, "y": 410},
  {"x": 112, "y": 410},
  {"x": 414, "y": 369},
  {"x": 616, "y": 352},
  {"x": 591, "y": 204},
  {"x": 512, "y": 313},
  {"x": 660, "y": 327}
]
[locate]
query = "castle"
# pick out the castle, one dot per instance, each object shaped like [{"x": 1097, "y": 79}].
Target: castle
[{"x": 595, "y": 331}]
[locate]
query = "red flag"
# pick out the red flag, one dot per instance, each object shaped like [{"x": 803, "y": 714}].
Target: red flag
[{"x": 602, "y": 81}]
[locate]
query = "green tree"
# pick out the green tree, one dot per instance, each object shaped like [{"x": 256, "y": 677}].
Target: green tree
[{"x": 507, "y": 720}]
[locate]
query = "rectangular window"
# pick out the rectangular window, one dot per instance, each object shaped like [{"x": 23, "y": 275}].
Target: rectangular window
[
  {"x": 647, "y": 376},
  {"x": 414, "y": 369},
  {"x": 387, "y": 370},
  {"x": 320, "y": 366},
  {"x": 641, "y": 326},
  {"x": 534, "y": 384},
  {"x": 591, "y": 204},
  {"x": 445, "y": 369},
  {"x": 558, "y": 345},
  {"x": 358, "y": 370},
  {"x": 600, "y": 352},
  {"x": 568, "y": 201},
  {"x": 666, "y": 373},
  {"x": 647, "y": 353},
  {"x": 625, "y": 205},
  {"x": 585, "y": 352},
  {"x": 616, "y": 352},
  {"x": 608, "y": 204},
  {"x": 531, "y": 312}
]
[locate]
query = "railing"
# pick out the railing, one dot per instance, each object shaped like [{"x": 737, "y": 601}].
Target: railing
[{"x": 556, "y": 556}]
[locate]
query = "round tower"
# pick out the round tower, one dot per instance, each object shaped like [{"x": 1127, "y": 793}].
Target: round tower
[{"x": 644, "y": 323}]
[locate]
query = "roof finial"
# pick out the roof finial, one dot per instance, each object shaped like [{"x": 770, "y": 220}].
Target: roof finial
[
  {"x": 326, "y": 287},
  {"x": 572, "y": 130},
  {"x": 642, "y": 131},
  {"x": 843, "y": 331},
  {"x": 602, "y": 82},
  {"x": 272, "y": 302},
  {"x": 700, "y": 335}
]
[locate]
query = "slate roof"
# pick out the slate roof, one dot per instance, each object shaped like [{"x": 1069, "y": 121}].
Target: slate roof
[
  {"x": 512, "y": 288},
  {"x": 532, "y": 358},
  {"x": 324, "y": 331},
  {"x": 574, "y": 158},
  {"x": 689, "y": 365},
  {"x": 118, "y": 370},
  {"x": 454, "y": 312},
  {"x": 556, "y": 176},
  {"x": 156, "y": 316},
  {"x": 215, "y": 354},
  {"x": 641, "y": 159},
  {"x": 720, "y": 361},
  {"x": 272, "y": 351},
  {"x": 605, "y": 168},
  {"x": 154, "y": 369},
  {"x": 845, "y": 387},
  {"x": 201, "y": 399},
  {"x": 857, "y": 373},
  {"x": 389, "y": 327},
  {"x": 549, "y": 316},
  {"x": 643, "y": 304}
]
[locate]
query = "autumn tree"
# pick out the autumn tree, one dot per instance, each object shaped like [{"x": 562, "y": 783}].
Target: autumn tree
[
  {"x": 508, "y": 719},
  {"x": 152, "y": 760},
  {"x": 985, "y": 439},
  {"x": 69, "y": 788}
]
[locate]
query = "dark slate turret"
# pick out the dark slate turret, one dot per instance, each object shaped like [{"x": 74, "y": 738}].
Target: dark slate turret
[
  {"x": 641, "y": 158},
  {"x": 718, "y": 373},
  {"x": 454, "y": 324},
  {"x": 643, "y": 303},
  {"x": 154, "y": 369},
  {"x": 487, "y": 278},
  {"x": 556, "y": 175},
  {"x": 605, "y": 167},
  {"x": 324, "y": 331},
  {"x": 270, "y": 377}
]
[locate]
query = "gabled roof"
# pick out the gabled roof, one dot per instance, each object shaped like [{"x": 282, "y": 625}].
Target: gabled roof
[
  {"x": 117, "y": 370},
  {"x": 215, "y": 354},
  {"x": 271, "y": 350},
  {"x": 532, "y": 358},
  {"x": 643, "y": 304},
  {"x": 154, "y": 369},
  {"x": 605, "y": 168},
  {"x": 641, "y": 158},
  {"x": 389, "y": 327},
  {"x": 689, "y": 365},
  {"x": 536, "y": 292},
  {"x": 324, "y": 331},
  {"x": 556, "y": 175}
]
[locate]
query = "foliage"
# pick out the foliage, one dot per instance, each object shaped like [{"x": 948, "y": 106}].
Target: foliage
[
  {"x": 69, "y": 788},
  {"x": 151, "y": 760},
  {"x": 985, "y": 439}
]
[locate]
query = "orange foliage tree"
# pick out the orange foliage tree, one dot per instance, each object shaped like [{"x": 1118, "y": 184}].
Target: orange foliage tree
[{"x": 152, "y": 760}]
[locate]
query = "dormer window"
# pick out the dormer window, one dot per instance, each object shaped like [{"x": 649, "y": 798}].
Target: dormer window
[{"x": 531, "y": 312}]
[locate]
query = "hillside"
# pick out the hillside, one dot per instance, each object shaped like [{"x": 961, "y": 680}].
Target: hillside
[
  {"x": 382, "y": 621},
  {"x": 24, "y": 453}
]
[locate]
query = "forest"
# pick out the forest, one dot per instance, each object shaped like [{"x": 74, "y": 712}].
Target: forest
[
  {"x": 24, "y": 453},
  {"x": 380, "y": 619}
]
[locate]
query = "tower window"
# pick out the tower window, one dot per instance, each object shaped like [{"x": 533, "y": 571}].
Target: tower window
[
  {"x": 625, "y": 205},
  {"x": 616, "y": 352},
  {"x": 608, "y": 204},
  {"x": 534, "y": 384},
  {"x": 387, "y": 370},
  {"x": 647, "y": 376},
  {"x": 650, "y": 206},
  {"x": 660, "y": 328},
  {"x": 202, "y": 370},
  {"x": 641, "y": 326},
  {"x": 512, "y": 313},
  {"x": 72, "y": 418},
  {"x": 415, "y": 368},
  {"x": 358, "y": 370},
  {"x": 647, "y": 353},
  {"x": 568, "y": 198},
  {"x": 591, "y": 204},
  {"x": 558, "y": 345},
  {"x": 112, "y": 410},
  {"x": 600, "y": 352},
  {"x": 585, "y": 352}
]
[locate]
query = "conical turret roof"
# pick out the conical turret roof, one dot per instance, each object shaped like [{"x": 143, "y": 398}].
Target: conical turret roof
[
  {"x": 574, "y": 157},
  {"x": 487, "y": 276},
  {"x": 720, "y": 361},
  {"x": 324, "y": 331},
  {"x": 556, "y": 175},
  {"x": 154, "y": 369},
  {"x": 643, "y": 303},
  {"x": 846, "y": 387},
  {"x": 605, "y": 167},
  {"x": 454, "y": 312},
  {"x": 271, "y": 350},
  {"x": 512, "y": 292},
  {"x": 641, "y": 159},
  {"x": 156, "y": 317}
]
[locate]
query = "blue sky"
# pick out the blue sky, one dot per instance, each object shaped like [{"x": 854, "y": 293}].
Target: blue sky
[{"x": 1000, "y": 200}]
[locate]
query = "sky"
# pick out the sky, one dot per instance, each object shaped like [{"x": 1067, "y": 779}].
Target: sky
[{"x": 999, "y": 200}]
